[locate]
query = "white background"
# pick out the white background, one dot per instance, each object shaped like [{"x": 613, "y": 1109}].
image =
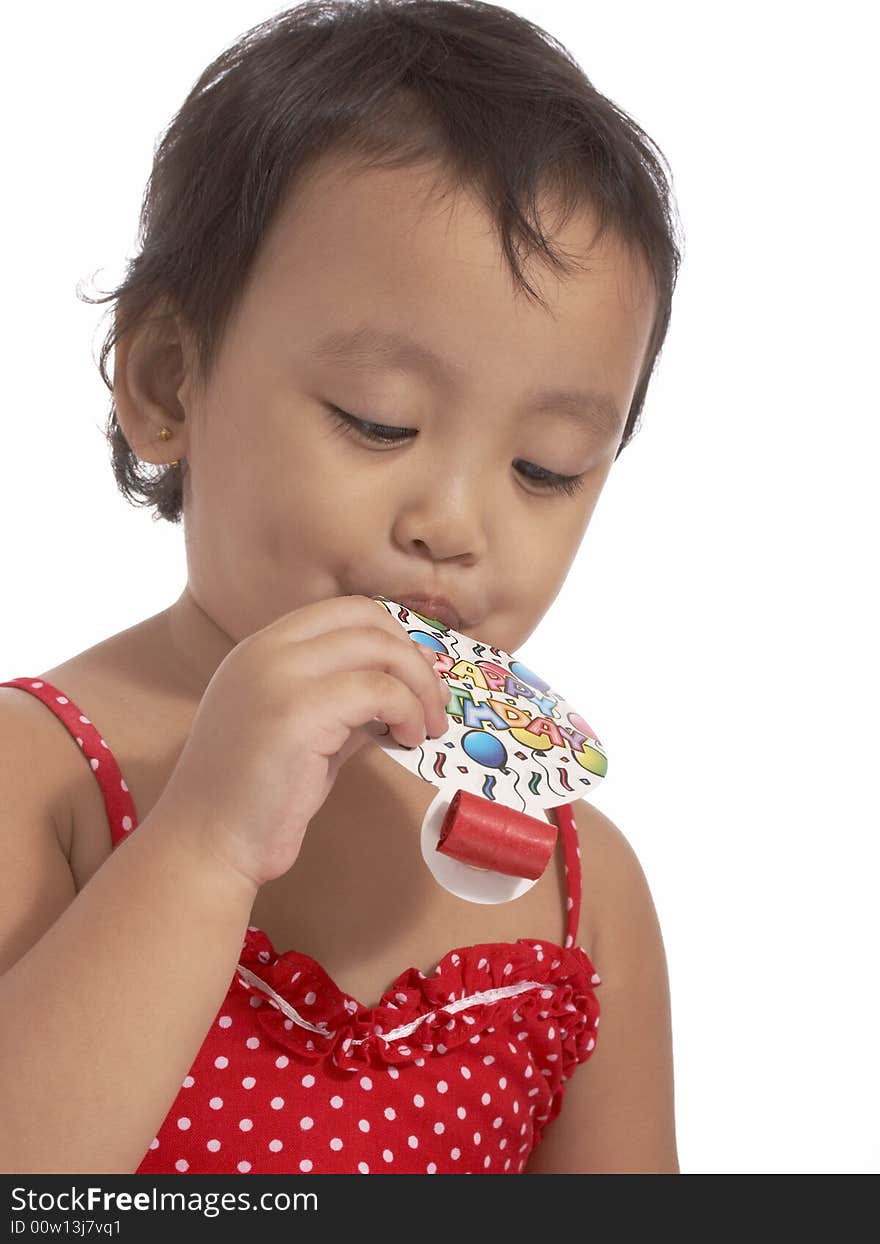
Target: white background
[{"x": 719, "y": 627}]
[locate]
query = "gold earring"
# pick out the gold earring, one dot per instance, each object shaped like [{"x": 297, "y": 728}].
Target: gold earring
[{"x": 165, "y": 434}]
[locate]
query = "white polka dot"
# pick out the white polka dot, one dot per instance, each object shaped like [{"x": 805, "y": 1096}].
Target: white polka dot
[
  {"x": 497, "y": 1122},
  {"x": 461, "y": 1112},
  {"x": 393, "y": 1072},
  {"x": 418, "y": 1100},
  {"x": 310, "y": 999},
  {"x": 442, "y": 1086},
  {"x": 466, "y": 1072},
  {"x": 275, "y": 1145},
  {"x": 336, "y": 1144},
  {"x": 246, "y": 1125},
  {"x": 216, "y": 1103},
  {"x": 432, "y": 1168},
  {"x": 489, "y": 1059},
  {"x": 221, "y": 1062},
  {"x": 485, "y": 1099},
  {"x": 413, "y": 1142},
  {"x": 366, "y": 1082},
  {"x": 253, "y": 1043},
  {"x": 487, "y": 1161},
  {"x": 455, "y": 1154},
  {"x": 439, "y": 1128},
  {"x": 305, "y": 1123},
  {"x": 363, "y": 1168},
  {"x": 248, "y": 1082},
  {"x": 282, "y": 1060},
  {"x": 387, "y": 1155},
  {"x": 154, "y": 1144},
  {"x": 276, "y": 1103},
  {"x": 188, "y": 1082},
  {"x": 551, "y": 1033},
  {"x": 184, "y": 1124},
  {"x": 181, "y": 1164},
  {"x": 307, "y": 1081},
  {"x": 244, "y": 1167},
  {"x": 224, "y": 1021},
  {"x": 363, "y": 1125},
  {"x": 305, "y": 1165},
  {"x": 390, "y": 1113},
  {"x": 502, "y": 1083},
  {"x": 213, "y": 1145},
  {"x": 336, "y": 1102},
  {"x": 476, "y": 1138}
]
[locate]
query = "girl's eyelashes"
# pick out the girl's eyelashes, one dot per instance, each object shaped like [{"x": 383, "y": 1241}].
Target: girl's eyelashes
[
  {"x": 384, "y": 434},
  {"x": 372, "y": 431}
]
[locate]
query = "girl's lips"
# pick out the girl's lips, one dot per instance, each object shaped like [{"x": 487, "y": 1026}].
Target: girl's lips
[{"x": 438, "y": 609}]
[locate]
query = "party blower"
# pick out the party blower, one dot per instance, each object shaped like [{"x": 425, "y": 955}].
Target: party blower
[{"x": 514, "y": 748}]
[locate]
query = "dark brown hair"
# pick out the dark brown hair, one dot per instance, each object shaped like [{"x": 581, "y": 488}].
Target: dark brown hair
[{"x": 478, "y": 91}]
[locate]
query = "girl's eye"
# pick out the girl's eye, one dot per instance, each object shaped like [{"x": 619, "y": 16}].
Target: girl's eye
[
  {"x": 372, "y": 431},
  {"x": 548, "y": 480},
  {"x": 569, "y": 484}
]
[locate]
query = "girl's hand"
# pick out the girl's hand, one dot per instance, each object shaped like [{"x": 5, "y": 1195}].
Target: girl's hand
[{"x": 282, "y": 713}]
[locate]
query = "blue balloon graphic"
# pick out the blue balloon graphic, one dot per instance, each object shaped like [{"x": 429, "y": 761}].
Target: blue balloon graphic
[
  {"x": 430, "y": 641},
  {"x": 485, "y": 749},
  {"x": 524, "y": 674}
]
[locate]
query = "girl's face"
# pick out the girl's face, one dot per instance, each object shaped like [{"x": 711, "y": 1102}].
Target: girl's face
[{"x": 288, "y": 502}]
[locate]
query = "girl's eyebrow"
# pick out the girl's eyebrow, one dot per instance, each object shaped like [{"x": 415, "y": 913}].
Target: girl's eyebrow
[{"x": 372, "y": 349}]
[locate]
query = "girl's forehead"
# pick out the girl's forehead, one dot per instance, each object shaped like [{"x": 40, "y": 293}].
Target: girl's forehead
[
  {"x": 401, "y": 247},
  {"x": 344, "y": 214}
]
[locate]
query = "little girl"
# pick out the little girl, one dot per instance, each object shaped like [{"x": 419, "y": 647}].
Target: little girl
[{"x": 403, "y": 280}]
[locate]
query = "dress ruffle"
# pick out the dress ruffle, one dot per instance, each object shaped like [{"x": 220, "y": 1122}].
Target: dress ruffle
[{"x": 558, "y": 984}]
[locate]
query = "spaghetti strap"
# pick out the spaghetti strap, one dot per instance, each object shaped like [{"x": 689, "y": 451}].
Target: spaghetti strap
[
  {"x": 121, "y": 815},
  {"x": 568, "y": 830}
]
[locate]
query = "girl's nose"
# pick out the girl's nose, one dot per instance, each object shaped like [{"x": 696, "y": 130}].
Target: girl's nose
[{"x": 445, "y": 511}]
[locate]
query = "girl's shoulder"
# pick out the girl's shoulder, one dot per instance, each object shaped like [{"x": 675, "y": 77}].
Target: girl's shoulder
[
  {"x": 36, "y": 881},
  {"x": 111, "y": 686},
  {"x": 36, "y": 750}
]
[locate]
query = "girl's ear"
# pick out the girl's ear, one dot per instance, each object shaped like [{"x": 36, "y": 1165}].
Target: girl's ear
[{"x": 150, "y": 378}]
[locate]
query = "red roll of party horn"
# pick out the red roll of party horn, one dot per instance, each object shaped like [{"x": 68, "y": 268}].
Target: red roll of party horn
[{"x": 493, "y": 836}]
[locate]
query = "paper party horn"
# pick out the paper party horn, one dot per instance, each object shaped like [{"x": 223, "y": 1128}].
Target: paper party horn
[{"x": 514, "y": 749}]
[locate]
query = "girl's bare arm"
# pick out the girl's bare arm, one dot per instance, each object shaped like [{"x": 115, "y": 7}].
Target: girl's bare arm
[{"x": 101, "y": 1019}]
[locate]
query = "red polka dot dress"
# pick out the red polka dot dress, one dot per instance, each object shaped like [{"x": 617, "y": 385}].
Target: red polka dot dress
[{"x": 458, "y": 1072}]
